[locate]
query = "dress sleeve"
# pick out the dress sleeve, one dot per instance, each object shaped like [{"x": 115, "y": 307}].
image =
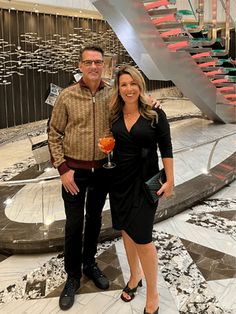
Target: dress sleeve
[{"x": 163, "y": 135}]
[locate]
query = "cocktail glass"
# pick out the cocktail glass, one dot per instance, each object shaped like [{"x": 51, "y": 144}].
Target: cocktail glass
[{"x": 108, "y": 144}]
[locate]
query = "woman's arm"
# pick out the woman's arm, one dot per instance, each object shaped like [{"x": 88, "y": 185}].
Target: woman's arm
[{"x": 165, "y": 147}]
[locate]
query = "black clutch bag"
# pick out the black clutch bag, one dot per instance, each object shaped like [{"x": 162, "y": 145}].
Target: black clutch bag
[{"x": 154, "y": 184}]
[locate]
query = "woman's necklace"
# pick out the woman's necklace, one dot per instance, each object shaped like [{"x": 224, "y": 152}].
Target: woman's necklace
[
  {"x": 130, "y": 118},
  {"x": 130, "y": 114}
]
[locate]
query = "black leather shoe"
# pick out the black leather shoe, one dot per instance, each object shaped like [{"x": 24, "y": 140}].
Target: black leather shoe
[
  {"x": 96, "y": 275},
  {"x": 68, "y": 294}
]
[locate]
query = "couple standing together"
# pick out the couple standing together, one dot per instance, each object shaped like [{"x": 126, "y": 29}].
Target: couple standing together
[{"x": 84, "y": 113}]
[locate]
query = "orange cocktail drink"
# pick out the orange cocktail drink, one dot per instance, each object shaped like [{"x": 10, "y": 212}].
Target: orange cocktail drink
[{"x": 107, "y": 143}]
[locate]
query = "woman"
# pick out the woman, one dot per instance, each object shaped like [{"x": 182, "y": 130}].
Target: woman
[{"x": 137, "y": 129}]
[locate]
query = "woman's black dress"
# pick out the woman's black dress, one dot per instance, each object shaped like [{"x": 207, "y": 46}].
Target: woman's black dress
[{"x": 135, "y": 155}]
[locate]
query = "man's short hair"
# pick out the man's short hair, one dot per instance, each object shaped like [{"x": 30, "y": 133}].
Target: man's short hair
[{"x": 91, "y": 48}]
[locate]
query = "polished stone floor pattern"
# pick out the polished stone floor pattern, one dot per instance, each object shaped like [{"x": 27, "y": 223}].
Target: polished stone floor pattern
[
  {"x": 196, "y": 248},
  {"x": 197, "y": 270}
]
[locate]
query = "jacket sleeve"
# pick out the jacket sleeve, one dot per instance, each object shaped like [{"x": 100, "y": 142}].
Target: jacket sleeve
[{"x": 56, "y": 130}]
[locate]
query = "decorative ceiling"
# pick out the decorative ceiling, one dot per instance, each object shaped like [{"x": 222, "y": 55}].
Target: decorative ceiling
[
  {"x": 66, "y": 8},
  {"x": 84, "y": 8}
]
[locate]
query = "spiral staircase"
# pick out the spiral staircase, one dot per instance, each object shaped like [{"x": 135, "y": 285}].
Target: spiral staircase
[{"x": 164, "y": 48}]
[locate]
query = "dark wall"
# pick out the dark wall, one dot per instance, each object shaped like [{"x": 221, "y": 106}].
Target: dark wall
[{"x": 39, "y": 49}]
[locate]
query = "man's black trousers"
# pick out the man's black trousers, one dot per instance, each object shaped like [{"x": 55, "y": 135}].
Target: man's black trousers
[{"x": 81, "y": 233}]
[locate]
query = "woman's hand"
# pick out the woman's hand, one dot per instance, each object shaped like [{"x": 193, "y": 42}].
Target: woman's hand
[{"x": 166, "y": 190}]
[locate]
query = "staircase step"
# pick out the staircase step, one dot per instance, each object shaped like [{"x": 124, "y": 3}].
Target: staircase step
[
  {"x": 197, "y": 49},
  {"x": 172, "y": 32},
  {"x": 207, "y": 65},
  {"x": 229, "y": 60},
  {"x": 185, "y": 12},
  {"x": 227, "y": 89},
  {"x": 161, "y": 12},
  {"x": 231, "y": 78},
  {"x": 219, "y": 52},
  {"x": 180, "y": 46},
  {"x": 206, "y": 54},
  {"x": 169, "y": 25},
  {"x": 217, "y": 76},
  {"x": 205, "y": 40},
  {"x": 206, "y": 59},
  {"x": 222, "y": 84},
  {"x": 175, "y": 39},
  {"x": 164, "y": 19},
  {"x": 149, "y": 1},
  {"x": 215, "y": 68},
  {"x": 230, "y": 69}
]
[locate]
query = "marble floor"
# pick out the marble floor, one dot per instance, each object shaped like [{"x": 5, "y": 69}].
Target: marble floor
[
  {"x": 197, "y": 268},
  {"x": 196, "y": 249}
]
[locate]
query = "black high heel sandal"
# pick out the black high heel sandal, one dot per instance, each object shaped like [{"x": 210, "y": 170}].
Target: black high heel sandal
[
  {"x": 130, "y": 292},
  {"x": 156, "y": 312}
]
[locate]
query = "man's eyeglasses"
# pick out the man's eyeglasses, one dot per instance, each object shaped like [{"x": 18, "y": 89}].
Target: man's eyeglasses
[{"x": 90, "y": 62}]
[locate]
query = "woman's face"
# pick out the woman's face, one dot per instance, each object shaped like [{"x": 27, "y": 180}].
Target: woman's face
[{"x": 129, "y": 89}]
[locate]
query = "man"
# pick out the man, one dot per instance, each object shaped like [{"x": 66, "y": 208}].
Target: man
[{"x": 79, "y": 118}]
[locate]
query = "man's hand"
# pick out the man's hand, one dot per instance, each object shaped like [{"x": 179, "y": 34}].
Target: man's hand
[
  {"x": 68, "y": 182},
  {"x": 154, "y": 102}
]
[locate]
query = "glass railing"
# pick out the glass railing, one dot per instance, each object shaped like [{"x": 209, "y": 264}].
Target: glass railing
[{"x": 43, "y": 193}]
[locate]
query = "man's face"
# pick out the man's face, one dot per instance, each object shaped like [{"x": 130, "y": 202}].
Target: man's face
[{"x": 92, "y": 65}]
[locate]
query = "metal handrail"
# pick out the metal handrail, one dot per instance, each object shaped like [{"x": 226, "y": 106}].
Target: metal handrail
[
  {"x": 180, "y": 150},
  {"x": 215, "y": 141}
]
